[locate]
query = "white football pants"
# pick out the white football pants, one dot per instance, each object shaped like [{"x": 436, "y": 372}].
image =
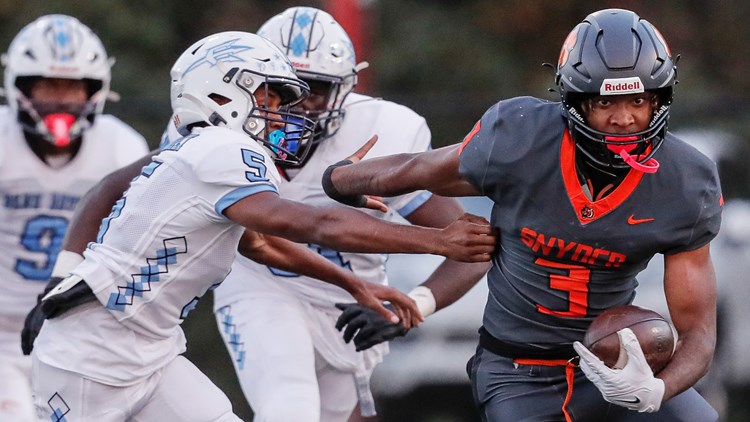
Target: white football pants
[
  {"x": 15, "y": 376},
  {"x": 177, "y": 392},
  {"x": 281, "y": 375}
]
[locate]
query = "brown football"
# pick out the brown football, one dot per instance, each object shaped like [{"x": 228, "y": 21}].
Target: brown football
[{"x": 654, "y": 333}]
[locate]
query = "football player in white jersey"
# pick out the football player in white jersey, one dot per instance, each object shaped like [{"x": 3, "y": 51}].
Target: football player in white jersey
[
  {"x": 278, "y": 326},
  {"x": 54, "y": 145},
  {"x": 175, "y": 232}
]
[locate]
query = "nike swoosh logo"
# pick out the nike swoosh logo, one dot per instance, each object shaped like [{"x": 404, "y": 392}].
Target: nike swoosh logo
[
  {"x": 634, "y": 401},
  {"x": 633, "y": 220}
]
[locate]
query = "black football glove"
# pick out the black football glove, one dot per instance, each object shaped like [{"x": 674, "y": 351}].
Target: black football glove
[
  {"x": 67, "y": 298},
  {"x": 35, "y": 318},
  {"x": 54, "y": 306},
  {"x": 370, "y": 327}
]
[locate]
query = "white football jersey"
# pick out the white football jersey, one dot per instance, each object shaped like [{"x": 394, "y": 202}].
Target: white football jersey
[
  {"x": 167, "y": 237},
  {"x": 365, "y": 116},
  {"x": 38, "y": 202},
  {"x": 165, "y": 244}
]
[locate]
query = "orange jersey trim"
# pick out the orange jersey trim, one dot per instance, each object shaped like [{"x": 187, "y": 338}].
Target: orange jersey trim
[{"x": 579, "y": 200}]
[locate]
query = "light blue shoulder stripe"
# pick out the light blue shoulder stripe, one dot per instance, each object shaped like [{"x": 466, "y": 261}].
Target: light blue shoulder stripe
[
  {"x": 415, "y": 203},
  {"x": 229, "y": 199}
]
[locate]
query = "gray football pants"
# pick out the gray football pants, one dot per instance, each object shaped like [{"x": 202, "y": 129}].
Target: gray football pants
[{"x": 505, "y": 391}]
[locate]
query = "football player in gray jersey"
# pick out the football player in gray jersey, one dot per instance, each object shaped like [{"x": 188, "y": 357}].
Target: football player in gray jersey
[{"x": 585, "y": 192}]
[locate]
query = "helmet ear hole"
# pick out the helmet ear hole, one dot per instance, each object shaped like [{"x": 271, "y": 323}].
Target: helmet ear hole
[{"x": 219, "y": 99}]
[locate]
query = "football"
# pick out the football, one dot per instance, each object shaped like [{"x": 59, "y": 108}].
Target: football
[{"x": 654, "y": 333}]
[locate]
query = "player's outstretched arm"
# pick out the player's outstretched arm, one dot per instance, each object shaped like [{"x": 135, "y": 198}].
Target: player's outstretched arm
[
  {"x": 293, "y": 257},
  {"x": 435, "y": 170},
  {"x": 468, "y": 239}
]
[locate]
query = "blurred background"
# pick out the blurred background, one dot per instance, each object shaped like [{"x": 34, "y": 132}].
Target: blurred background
[{"x": 450, "y": 61}]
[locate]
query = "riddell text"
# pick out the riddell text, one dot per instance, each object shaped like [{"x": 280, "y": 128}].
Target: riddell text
[
  {"x": 553, "y": 247},
  {"x": 608, "y": 87}
]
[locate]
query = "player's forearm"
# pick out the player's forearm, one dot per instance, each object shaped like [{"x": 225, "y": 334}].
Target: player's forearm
[
  {"x": 690, "y": 363},
  {"x": 353, "y": 231},
  {"x": 451, "y": 280},
  {"x": 293, "y": 257},
  {"x": 392, "y": 175}
]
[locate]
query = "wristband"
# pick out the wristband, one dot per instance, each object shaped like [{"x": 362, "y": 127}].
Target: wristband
[
  {"x": 66, "y": 261},
  {"x": 357, "y": 201},
  {"x": 425, "y": 300}
]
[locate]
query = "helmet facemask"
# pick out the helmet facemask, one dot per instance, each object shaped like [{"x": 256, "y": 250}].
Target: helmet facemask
[
  {"x": 287, "y": 135},
  {"x": 56, "y": 121},
  {"x": 617, "y": 151},
  {"x": 325, "y": 103}
]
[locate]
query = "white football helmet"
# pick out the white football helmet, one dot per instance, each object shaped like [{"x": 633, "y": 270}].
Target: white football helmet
[
  {"x": 322, "y": 54},
  {"x": 56, "y": 46},
  {"x": 214, "y": 83}
]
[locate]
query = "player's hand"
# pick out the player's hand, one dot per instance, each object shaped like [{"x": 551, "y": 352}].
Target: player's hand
[
  {"x": 31, "y": 327},
  {"x": 35, "y": 318},
  {"x": 66, "y": 295},
  {"x": 375, "y": 203},
  {"x": 634, "y": 386},
  {"x": 366, "y": 327},
  {"x": 363, "y": 150},
  {"x": 402, "y": 309},
  {"x": 468, "y": 239}
]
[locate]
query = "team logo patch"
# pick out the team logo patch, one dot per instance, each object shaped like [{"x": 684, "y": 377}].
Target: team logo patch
[
  {"x": 620, "y": 86},
  {"x": 587, "y": 212}
]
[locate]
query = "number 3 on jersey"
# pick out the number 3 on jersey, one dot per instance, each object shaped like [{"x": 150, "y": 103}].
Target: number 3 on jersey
[
  {"x": 43, "y": 234},
  {"x": 576, "y": 283}
]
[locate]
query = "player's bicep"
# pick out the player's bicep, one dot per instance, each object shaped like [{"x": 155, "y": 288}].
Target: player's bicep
[{"x": 438, "y": 171}]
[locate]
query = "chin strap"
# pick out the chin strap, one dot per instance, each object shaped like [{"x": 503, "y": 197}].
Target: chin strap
[{"x": 650, "y": 166}]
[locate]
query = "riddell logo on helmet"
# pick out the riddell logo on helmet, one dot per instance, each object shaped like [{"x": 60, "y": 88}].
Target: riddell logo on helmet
[
  {"x": 621, "y": 86},
  {"x": 298, "y": 65}
]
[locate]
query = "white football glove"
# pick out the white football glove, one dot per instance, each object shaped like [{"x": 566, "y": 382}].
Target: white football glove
[{"x": 634, "y": 386}]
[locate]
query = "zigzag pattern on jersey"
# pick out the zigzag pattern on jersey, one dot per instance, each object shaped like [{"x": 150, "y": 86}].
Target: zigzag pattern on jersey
[
  {"x": 150, "y": 273},
  {"x": 233, "y": 338}
]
